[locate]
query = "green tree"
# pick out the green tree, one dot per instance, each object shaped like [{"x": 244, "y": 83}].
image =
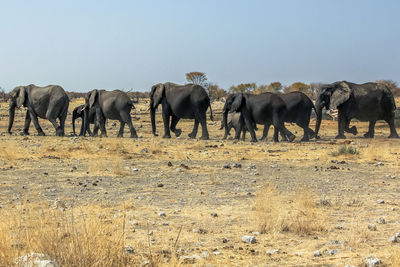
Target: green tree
[
  {"x": 243, "y": 88},
  {"x": 298, "y": 86}
]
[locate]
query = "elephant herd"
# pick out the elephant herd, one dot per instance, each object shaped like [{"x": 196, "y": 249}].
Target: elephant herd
[{"x": 242, "y": 111}]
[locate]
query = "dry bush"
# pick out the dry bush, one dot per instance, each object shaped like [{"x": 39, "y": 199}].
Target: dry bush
[
  {"x": 84, "y": 236},
  {"x": 111, "y": 165},
  {"x": 277, "y": 213},
  {"x": 359, "y": 234}
]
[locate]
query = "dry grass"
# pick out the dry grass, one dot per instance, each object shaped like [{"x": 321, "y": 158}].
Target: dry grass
[{"x": 277, "y": 213}]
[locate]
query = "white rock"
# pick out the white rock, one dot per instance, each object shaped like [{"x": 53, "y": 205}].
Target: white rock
[
  {"x": 205, "y": 254},
  {"x": 162, "y": 214},
  {"x": 249, "y": 239},
  {"x": 317, "y": 253},
  {"x": 35, "y": 260},
  {"x": 372, "y": 262}
]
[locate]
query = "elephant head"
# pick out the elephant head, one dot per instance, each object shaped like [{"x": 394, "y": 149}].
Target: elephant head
[
  {"x": 331, "y": 96},
  {"x": 233, "y": 103},
  {"x": 18, "y": 98},
  {"x": 156, "y": 95}
]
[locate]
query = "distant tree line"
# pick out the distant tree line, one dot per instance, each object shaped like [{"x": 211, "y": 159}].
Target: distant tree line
[{"x": 217, "y": 93}]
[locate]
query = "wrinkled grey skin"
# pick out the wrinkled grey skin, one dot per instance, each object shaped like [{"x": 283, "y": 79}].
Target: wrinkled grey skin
[
  {"x": 79, "y": 112},
  {"x": 265, "y": 108},
  {"x": 113, "y": 105},
  {"x": 188, "y": 101},
  {"x": 235, "y": 119},
  {"x": 49, "y": 102},
  {"x": 298, "y": 110},
  {"x": 365, "y": 102}
]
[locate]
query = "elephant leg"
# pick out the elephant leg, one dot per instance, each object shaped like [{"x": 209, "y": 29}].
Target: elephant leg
[
  {"x": 166, "y": 115},
  {"x": 36, "y": 122},
  {"x": 244, "y": 131},
  {"x": 59, "y": 131},
  {"x": 393, "y": 132},
  {"x": 202, "y": 118},
  {"x": 95, "y": 129},
  {"x": 121, "y": 129},
  {"x": 249, "y": 124},
  {"x": 194, "y": 131},
  {"x": 276, "y": 134},
  {"x": 265, "y": 131},
  {"x": 126, "y": 118},
  {"x": 341, "y": 126},
  {"x": 174, "y": 122},
  {"x": 228, "y": 130},
  {"x": 101, "y": 121},
  {"x": 27, "y": 123},
  {"x": 371, "y": 130}
]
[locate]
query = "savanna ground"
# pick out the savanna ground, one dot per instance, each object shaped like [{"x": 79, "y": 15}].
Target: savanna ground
[{"x": 83, "y": 201}]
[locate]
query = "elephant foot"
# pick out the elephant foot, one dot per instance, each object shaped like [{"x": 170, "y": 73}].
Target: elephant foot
[
  {"x": 134, "y": 135},
  {"x": 312, "y": 135},
  {"x": 178, "y": 132},
  {"x": 393, "y": 135},
  {"x": 205, "y": 137},
  {"x": 291, "y": 138},
  {"x": 253, "y": 140},
  {"x": 59, "y": 132},
  {"x": 353, "y": 130},
  {"x": 305, "y": 139},
  {"x": 263, "y": 138},
  {"x": 41, "y": 134},
  {"x": 340, "y": 136},
  {"x": 103, "y": 135},
  {"x": 368, "y": 135},
  {"x": 191, "y": 135},
  {"x": 167, "y": 136},
  {"x": 23, "y": 133},
  {"x": 119, "y": 135}
]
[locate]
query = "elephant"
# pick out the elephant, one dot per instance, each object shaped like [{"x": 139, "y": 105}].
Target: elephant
[
  {"x": 234, "y": 121},
  {"x": 113, "y": 105},
  {"x": 49, "y": 102},
  {"x": 365, "y": 102},
  {"x": 79, "y": 112},
  {"x": 298, "y": 110},
  {"x": 266, "y": 108},
  {"x": 188, "y": 101}
]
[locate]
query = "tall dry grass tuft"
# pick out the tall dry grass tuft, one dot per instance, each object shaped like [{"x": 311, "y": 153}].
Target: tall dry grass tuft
[
  {"x": 277, "y": 213},
  {"x": 86, "y": 236},
  {"x": 395, "y": 257}
]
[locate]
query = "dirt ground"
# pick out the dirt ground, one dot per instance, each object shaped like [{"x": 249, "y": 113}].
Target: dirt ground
[{"x": 204, "y": 196}]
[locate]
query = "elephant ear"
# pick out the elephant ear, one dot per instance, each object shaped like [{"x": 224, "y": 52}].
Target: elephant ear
[
  {"x": 93, "y": 97},
  {"x": 157, "y": 93},
  {"x": 21, "y": 97},
  {"x": 237, "y": 103},
  {"x": 340, "y": 95}
]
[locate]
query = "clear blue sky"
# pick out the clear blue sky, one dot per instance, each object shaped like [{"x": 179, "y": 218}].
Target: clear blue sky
[{"x": 82, "y": 45}]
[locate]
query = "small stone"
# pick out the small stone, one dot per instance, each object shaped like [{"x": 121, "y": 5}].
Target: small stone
[
  {"x": 226, "y": 166},
  {"x": 129, "y": 250},
  {"x": 150, "y": 232},
  {"x": 225, "y": 240},
  {"x": 46, "y": 173},
  {"x": 380, "y": 163},
  {"x": 380, "y": 201},
  {"x": 144, "y": 150},
  {"x": 331, "y": 252},
  {"x": 178, "y": 169},
  {"x": 216, "y": 253},
  {"x": 382, "y": 221},
  {"x": 214, "y": 215},
  {"x": 249, "y": 239},
  {"x": 165, "y": 223},
  {"x": 162, "y": 214},
  {"x": 169, "y": 164},
  {"x": 317, "y": 253},
  {"x": 299, "y": 254},
  {"x": 205, "y": 254},
  {"x": 372, "y": 262},
  {"x": 372, "y": 227},
  {"x": 270, "y": 252},
  {"x": 199, "y": 231},
  {"x": 395, "y": 238},
  {"x": 135, "y": 169},
  {"x": 284, "y": 149},
  {"x": 237, "y": 165},
  {"x": 160, "y": 185}
]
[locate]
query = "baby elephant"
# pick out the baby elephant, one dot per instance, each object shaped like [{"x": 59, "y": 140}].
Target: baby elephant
[
  {"x": 78, "y": 112},
  {"x": 234, "y": 120}
]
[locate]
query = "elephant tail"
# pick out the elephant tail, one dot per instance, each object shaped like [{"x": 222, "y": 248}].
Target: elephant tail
[{"x": 211, "y": 114}]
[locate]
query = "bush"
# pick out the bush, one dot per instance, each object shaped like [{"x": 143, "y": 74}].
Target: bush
[{"x": 345, "y": 150}]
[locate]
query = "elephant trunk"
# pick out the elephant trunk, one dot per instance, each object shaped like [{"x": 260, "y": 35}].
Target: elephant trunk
[
  {"x": 11, "y": 116},
  {"x": 225, "y": 121},
  {"x": 74, "y": 116},
  {"x": 153, "y": 119},
  {"x": 318, "y": 111}
]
